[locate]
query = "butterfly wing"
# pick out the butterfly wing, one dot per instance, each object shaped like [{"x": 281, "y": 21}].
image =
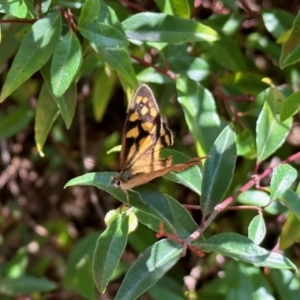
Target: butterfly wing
[
  {"x": 146, "y": 177},
  {"x": 144, "y": 134}
]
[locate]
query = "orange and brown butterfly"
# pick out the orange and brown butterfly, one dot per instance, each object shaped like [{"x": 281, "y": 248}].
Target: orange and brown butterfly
[{"x": 144, "y": 135}]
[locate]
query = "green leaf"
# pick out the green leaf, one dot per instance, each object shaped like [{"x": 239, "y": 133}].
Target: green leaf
[
  {"x": 286, "y": 284},
  {"x": 271, "y": 133},
  {"x": 218, "y": 171},
  {"x": 241, "y": 248},
  {"x": 239, "y": 281},
  {"x": 150, "y": 206},
  {"x": 89, "y": 11},
  {"x": 102, "y": 91},
  {"x": 35, "y": 50},
  {"x": 282, "y": 178},
  {"x": 104, "y": 35},
  {"x": 109, "y": 249},
  {"x": 191, "y": 178},
  {"x": 277, "y": 21},
  {"x": 46, "y": 114},
  {"x": 245, "y": 143},
  {"x": 160, "y": 27},
  {"x": 17, "y": 265},
  {"x": 167, "y": 288},
  {"x": 18, "y": 9},
  {"x": 292, "y": 201},
  {"x": 180, "y": 62},
  {"x": 78, "y": 275},
  {"x": 179, "y": 8},
  {"x": 10, "y": 41},
  {"x": 119, "y": 60},
  {"x": 291, "y": 48},
  {"x": 151, "y": 75},
  {"x": 259, "y": 42},
  {"x": 25, "y": 285},
  {"x": 290, "y": 106},
  {"x": 254, "y": 197},
  {"x": 148, "y": 269},
  {"x": 257, "y": 229},
  {"x": 14, "y": 121},
  {"x": 290, "y": 232},
  {"x": 67, "y": 102},
  {"x": 201, "y": 116},
  {"x": 66, "y": 61},
  {"x": 245, "y": 81},
  {"x": 110, "y": 42},
  {"x": 226, "y": 52}
]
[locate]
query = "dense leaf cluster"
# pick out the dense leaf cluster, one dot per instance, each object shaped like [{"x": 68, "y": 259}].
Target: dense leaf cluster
[{"x": 226, "y": 74}]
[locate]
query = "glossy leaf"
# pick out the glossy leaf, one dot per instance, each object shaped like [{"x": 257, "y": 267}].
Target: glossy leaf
[
  {"x": 119, "y": 60},
  {"x": 218, "y": 171},
  {"x": 291, "y": 48},
  {"x": 191, "y": 178},
  {"x": 66, "y": 61},
  {"x": 271, "y": 133},
  {"x": 179, "y": 8},
  {"x": 286, "y": 284},
  {"x": 292, "y": 201},
  {"x": 257, "y": 229},
  {"x": 89, "y": 12},
  {"x": 150, "y": 75},
  {"x": 67, "y": 102},
  {"x": 225, "y": 52},
  {"x": 253, "y": 197},
  {"x": 282, "y": 178},
  {"x": 277, "y": 21},
  {"x": 155, "y": 262},
  {"x": 151, "y": 207},
  {"x": 10, "y": 41},
  {"x": 35, "y": 50},
  {"x": 241, "y": 248},
  {"x": 201, "y": 116},
  {"x": 167, "y": 288},
  {"x": 160, "y": 27},
  {"x": 20, "y": 10},
  {"x": 25, "y": 285},
  {"x": 245, "y": 143},
  {"x": 78, "y": 274},
  {"x": 245, "y": 81},
  {"x": 181, "y": 62},
  {"x": 108, "y": 251},
  {"x": 290, "y": 233},
  {"x": 265, "y": 44},
  {"x": 239, "y": 281},
  {"x": 46, "y": 114},
  {"x": 103, "y": 35},
  {"x": 290, "y": 106},
  {"x": 102, "y": 91}
]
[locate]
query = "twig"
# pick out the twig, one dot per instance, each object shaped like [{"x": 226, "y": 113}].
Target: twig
[
  {"x": 222, "y": 206},
  {"x": 166, "y": 72}
]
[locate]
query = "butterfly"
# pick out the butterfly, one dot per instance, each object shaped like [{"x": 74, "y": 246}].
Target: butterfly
[{"x": 145, "y": 134}]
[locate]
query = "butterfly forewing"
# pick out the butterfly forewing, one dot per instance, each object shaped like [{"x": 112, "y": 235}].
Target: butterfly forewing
[{"x": 144, "y": 135}]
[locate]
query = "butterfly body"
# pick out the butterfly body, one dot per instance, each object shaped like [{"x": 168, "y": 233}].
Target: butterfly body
[{"x": 144, "y": 135}]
